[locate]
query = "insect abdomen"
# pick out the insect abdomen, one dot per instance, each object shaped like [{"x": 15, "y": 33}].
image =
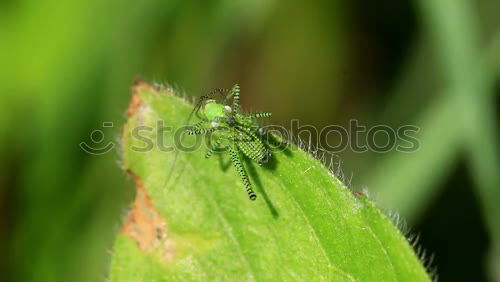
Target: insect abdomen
[{"x": 254, "y": 149}]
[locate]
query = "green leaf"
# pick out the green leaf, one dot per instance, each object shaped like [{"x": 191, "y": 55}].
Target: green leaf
[{"x": 200, "y": 225}]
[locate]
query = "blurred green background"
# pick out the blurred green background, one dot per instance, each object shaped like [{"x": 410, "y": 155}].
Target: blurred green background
[{"x": 67, "y": 67}]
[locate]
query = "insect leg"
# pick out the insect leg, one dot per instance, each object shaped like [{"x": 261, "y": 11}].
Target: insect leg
[
  {"x": 260, "y": 115},
  {"x": 199, "y": 124},
  {"x": 198, "y": 131},
  {"x": 219, "y": 91},
  {"x": 211, "y": 150},
  {"x": 199, "y": 104},
  {"x": 236, "y": 160},
  {"x": 235, "y": 94},
  {"x": 197, "y": 128}
]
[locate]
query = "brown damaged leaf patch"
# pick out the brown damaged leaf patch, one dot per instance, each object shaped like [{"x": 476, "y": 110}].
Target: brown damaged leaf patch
[
  {"x": 146, "y": 226},
  {"x": 135, "y": 101}
]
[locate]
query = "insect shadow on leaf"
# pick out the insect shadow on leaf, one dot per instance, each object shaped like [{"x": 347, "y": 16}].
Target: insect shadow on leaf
[{"x": 253, "y": 174}]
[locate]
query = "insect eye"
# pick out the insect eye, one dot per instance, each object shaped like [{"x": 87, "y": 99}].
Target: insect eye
[
  {"x": 214, "y": 124},
  {"x": 228, "y": 109}
]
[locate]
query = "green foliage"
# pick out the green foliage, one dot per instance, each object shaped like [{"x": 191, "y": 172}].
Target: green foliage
[
  {"x": 305, "y": 224},
  {"x": 67, "y": 66}
]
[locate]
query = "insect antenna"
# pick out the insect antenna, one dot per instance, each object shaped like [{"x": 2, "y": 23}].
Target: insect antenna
[
  {"x": 210, "y": 95},
  {"x": 195, "y": 111},
  {"x": 169, "y": 175}
]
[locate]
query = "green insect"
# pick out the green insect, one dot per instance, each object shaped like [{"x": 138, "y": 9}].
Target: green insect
[{"x": 232, "y": 130}]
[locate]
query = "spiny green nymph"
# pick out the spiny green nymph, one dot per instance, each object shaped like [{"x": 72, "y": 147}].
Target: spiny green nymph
[{"x": 231, "y": 130}]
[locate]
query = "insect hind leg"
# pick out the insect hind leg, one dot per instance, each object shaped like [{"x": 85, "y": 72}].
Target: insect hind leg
[{"x": 236, "y": 160}]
